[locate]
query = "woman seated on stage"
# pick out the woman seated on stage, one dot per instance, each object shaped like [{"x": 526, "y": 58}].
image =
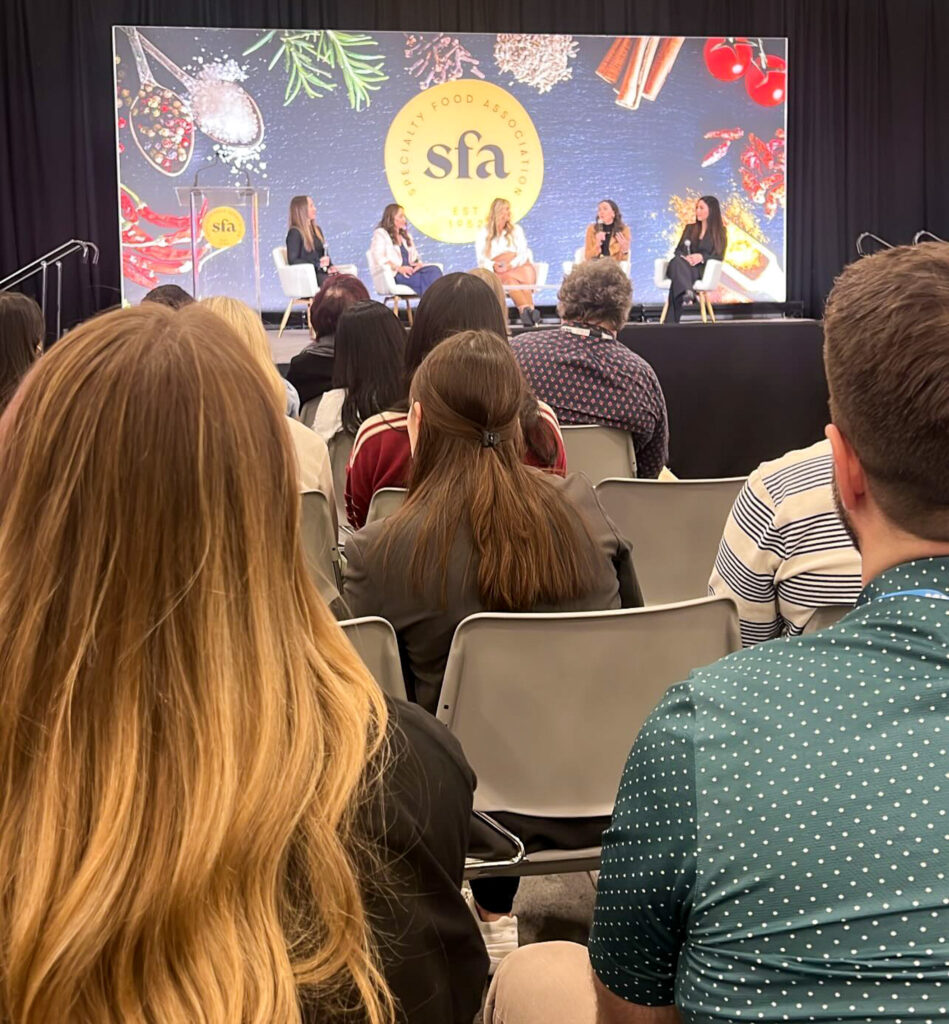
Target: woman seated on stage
[
  {"x": 367, "y": 378},
  {"x": 701, "y": 241},
  {"x": 211, "y": 812},
  {"x": 392, "y": 246},
  {"x": 381, "y": 456},
  {"x": 305, "y": 241},
  {"x": 501, "y": 246},
  {"x": 608, "y": 236}
]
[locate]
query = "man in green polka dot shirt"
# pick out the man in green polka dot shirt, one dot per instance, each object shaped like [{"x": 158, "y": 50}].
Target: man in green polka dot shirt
[{"x": 779, "y": 849}]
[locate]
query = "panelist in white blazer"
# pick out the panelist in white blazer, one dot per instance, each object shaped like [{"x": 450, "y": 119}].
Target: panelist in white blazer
[
  {"x": 392, "y": 245},
  {"x": 502, "y": 247}
]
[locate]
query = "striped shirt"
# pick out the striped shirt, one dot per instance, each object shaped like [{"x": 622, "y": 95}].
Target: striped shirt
[{"x": 785, "y": 552}]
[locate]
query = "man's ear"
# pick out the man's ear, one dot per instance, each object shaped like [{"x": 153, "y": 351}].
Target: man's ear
[{"x": 850, "y": 476}]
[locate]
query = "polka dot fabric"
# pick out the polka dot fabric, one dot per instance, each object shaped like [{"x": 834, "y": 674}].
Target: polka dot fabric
[
  {"x": 780, "y": 842},
  {"x": 591, "y": 379}
]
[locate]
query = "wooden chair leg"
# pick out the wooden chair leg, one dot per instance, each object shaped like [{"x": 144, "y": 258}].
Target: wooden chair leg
[
  {"x": 702, "y": 307},
  {"x": 711, "y": 311},
  {"x": 286, "y": 317},
  {"x": 395, "y": 305},
  {"x": 665, "y": 310},
  {"x": 408, "y": 311},
  {"x": 309, "y": 322}
]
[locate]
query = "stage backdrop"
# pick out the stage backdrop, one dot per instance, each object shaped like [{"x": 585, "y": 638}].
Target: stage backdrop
[{"x": 442, "y": 124}]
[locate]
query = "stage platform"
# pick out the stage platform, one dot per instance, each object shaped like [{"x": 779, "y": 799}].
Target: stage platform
[{"x": 737, "y": 393}]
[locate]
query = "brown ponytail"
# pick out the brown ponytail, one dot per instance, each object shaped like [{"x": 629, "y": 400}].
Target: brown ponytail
[{"x": 532, "y": 546}]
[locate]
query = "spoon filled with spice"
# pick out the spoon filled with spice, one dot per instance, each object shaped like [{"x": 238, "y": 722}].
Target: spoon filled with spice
[
  {"x": 221, "y": 108},
  {"x": 160, "y": 119}
]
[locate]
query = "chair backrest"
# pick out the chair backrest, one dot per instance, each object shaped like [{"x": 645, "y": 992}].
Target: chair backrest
[
  {"x": 340, "y": 447},
  {"x": 375, "y": 642},
  {"x": 384, "y": 502},
  {"x": 279, "y": 256},
  {"x": 660, "y": 269},
  {"x": 547, "y": 733},
  {"x": 383, "y": 279},
  {"x": 320, "y": 546},
  {"x": 308, "y": 411},
  {"x": 827, "y": 616},
  {"x": 599, "y": 452},
  {"x": 675, "y": 528},
  {"x": 579, "y": 255}
]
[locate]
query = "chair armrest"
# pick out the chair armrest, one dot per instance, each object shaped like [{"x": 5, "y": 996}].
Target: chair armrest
[
  {"x": 298, "y": 281},
  {"x": 660, "y": 266},
  {"x": 710, "y": 276},
  {"x": 543, "y": 269}
]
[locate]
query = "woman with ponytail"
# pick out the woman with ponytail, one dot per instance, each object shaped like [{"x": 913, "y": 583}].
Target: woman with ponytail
[
  {"x": 200, "y": 783},
  {"x": 480, "y": 531}
]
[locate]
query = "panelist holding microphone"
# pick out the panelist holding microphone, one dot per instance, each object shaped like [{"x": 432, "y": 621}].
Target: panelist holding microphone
[
  {"x": 305, "y": 241},
  {"x": 702, "y": 240},
  {"x": 608, "y": 237},
  {"x": 502, "y": 248}
]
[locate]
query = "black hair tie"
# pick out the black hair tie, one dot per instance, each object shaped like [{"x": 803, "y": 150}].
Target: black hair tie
[{"x": 490, "y": 439}]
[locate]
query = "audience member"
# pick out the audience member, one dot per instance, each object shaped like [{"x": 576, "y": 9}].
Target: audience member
[
  {"x": 313, "y": 461},
  {"x": 210, "y": 811},
  {"x": 311, "y": 370},
  {"x": 480, "y": 531},
  {"x": 586, "y": 375},
  {"x": 777, "y": 850},
  {"x": 22, "y": 330},
  {"x": 381, "y": 455},
  {"x": 367, "y": 378},
  {"x": 494, "y": 283},
  {"x": 171, "y": 295},
  {"x": 785, "y": 552}
]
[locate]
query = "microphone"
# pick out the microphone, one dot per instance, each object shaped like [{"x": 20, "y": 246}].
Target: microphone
[{"x": 688, "y": 246}]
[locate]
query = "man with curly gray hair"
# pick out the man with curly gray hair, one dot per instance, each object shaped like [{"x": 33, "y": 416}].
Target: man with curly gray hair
[{"x": 586, "y": 375}]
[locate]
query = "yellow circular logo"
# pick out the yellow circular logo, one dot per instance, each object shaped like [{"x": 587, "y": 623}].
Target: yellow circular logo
[
  {"x": 223, "y": 226},
  {"x": 454, "y": 148}
]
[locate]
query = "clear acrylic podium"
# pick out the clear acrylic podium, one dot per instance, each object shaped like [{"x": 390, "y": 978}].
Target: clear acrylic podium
[{"x": 225, "y": 239}]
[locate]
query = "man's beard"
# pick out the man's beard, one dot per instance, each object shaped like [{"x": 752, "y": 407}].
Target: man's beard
[{"x": 842, "y": 512}]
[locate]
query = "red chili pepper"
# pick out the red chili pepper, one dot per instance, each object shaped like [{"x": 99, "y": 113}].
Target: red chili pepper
[
  {"x": 136, "y": 274},
  {"x": 129, "y": 212},
  {"x": 166, "y": 253},
  {"x": 162, "y": 220}
]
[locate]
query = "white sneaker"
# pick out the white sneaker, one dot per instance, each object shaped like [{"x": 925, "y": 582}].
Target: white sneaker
[{"x": 500, "y": 937}]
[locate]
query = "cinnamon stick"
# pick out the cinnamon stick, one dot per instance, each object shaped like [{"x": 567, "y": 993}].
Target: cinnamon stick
[
  {"x": 662, "y": 65},
  {"x": 611, "y": 67}
]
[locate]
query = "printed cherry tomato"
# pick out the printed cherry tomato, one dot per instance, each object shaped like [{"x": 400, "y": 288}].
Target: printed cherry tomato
[
  {"x": 727, "y": 58},
  {"x": 767, "y": 86}
]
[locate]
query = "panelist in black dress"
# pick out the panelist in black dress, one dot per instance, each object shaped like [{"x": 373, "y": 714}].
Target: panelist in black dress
[
  {"x": 702, "y": 240},
  {"x": 305, "y": 241}
]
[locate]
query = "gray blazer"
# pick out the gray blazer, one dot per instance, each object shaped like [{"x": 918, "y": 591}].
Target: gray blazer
[{"x": 425, "y": 621}]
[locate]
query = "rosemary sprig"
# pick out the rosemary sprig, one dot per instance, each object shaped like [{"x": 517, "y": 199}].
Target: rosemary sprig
[{"x": 303, "y": 52}]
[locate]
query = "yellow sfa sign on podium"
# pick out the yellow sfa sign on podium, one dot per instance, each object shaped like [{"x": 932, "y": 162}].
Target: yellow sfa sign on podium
[
  {"x": 454, "y": 148},
  {"x": 223, "y": 227}
]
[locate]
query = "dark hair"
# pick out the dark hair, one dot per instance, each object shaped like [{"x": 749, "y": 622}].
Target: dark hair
[
  {"x": 370, "y": 347},
  {"x": 462, "y": 302},
  {"x": 171, "y": 295},
  {"x": 22, "y": 329},
  {"x": 338, "y": 293},
  {"x": 455, "y": 302},
  {"x": 387, "y": 223},
  {"x": 532, "y": 546},
  {"x": 886, "y": 353},
  {"x": 618, "y": 226},
  {"x": 715, "y": 226}
]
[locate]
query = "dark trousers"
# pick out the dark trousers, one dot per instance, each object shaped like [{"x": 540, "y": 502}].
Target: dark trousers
[{"x": 682, "y": 276}]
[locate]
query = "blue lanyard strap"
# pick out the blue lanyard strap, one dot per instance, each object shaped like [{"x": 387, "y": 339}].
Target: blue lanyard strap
[{"x": 936, "y": 595}]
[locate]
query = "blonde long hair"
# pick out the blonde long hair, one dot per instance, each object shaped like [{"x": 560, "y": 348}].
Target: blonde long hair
[
  {"x": 249, "y": 328},
  {"x": 492, "y": 224},
  {"x": 300, "y": 219},
  {"x": 184, "y": 731}
]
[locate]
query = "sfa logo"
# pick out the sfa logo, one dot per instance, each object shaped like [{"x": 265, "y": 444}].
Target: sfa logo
[{"x": 441, "y": 163}]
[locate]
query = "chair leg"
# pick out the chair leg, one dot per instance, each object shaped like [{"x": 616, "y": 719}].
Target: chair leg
[
  {"x": 309, "y": 322},
  {"x": 711, "y": 311},
  {"x": 702, "y": 307},
  {"x": 665, "y": 310},
  {"x": 408, "y": 311},
  {"x": 286, "y": 317},
  {"x": 395, "y": 306}
]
